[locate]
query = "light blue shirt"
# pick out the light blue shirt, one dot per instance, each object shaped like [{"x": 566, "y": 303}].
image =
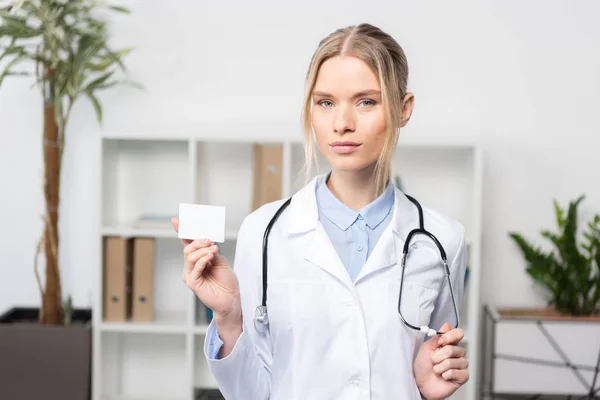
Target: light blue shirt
[{"x": 352, "y": 233}]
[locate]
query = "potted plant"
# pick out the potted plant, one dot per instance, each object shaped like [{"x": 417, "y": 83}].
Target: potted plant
[
  {"x": 63, "y": 45},
  {"x": 553, "y": 350},
  {"x": 571, "y": 271}
]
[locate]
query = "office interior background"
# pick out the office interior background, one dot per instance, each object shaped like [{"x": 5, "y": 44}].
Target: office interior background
[{"x": 518, "y": 81}]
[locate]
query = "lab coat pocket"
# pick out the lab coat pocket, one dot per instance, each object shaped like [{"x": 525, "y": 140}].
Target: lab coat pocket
[{"x": 416, "y": 304}]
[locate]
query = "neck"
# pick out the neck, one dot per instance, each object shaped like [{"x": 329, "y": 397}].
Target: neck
[{"x": 356, "y": 189}]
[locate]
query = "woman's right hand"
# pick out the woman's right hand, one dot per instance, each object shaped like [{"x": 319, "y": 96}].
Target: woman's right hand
[{"x": 210, "y": 277}]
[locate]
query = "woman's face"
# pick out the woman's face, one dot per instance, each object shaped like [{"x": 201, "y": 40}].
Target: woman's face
[{"x": 348, "y": 116}]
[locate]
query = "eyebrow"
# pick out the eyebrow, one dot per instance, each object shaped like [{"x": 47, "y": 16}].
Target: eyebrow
[{"x": 356, "y": 95}]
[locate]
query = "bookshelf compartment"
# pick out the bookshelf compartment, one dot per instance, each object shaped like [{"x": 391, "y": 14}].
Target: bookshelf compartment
[
  {"x": 138, "y": 366},
  {"x": 131, "y": 169},
  {"x": 169, "y": 294},
  {"x": 237, "y": 161}
]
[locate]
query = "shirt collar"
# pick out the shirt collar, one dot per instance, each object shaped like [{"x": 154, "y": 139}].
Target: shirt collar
[{"x": 343, "y": 216}]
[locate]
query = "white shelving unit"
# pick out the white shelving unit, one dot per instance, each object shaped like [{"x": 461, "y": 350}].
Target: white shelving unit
[{"x": 146, "y": 174}]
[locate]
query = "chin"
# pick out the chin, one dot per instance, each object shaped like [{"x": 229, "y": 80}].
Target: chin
[{"x": 350, "y": 164}]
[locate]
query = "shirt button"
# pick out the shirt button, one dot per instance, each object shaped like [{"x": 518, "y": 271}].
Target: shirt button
[{"x": 359, "y": 247}]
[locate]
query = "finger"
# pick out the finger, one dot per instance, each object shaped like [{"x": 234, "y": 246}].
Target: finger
[
  {"x": 195, "y": 245},
  {"x": 448, "y": 352},
  {"x": 175, "y": 223},
  {"x": 460, "y": 376},
  {"x": 193, "y": 258},
  {"x": 453, "y": 336},
  {"x": 200, "y": 266},
  {"x": 450, "y": 363}
]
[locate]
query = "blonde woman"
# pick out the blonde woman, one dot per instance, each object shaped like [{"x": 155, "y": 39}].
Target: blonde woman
[{"x": 327, "y": 323}]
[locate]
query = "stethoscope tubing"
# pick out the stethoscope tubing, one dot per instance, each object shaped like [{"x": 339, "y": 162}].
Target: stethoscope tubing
[{"x": 261, "y": 319}]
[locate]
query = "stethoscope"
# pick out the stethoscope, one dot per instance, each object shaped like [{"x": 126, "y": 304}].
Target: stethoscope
[{"x": 261, "y": 316}]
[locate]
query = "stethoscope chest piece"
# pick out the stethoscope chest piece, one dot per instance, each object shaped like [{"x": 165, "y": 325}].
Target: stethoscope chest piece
[{"x": 261, "y": 318}]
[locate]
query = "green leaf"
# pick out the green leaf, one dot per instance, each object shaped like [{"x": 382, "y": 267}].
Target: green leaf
[
  {"x": 96, "y": 104},
  {"x": 120, "y": 9},
  {"x": 12, "y": 49},
  {"x": 15, "y": 61},
  {"x": 16, "y": 27},
  {"x": 98, "y": 81},
  {"x": 571, "y": 272}
]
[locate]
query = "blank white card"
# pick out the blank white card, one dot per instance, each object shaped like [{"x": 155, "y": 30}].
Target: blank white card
[{"x": 197, "y": 221}]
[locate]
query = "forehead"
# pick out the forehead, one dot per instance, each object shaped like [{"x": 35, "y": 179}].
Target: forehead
[{"x": 345, "y": 75}]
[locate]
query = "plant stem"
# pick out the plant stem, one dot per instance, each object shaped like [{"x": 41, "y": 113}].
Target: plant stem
[{"x": 51, "y": 301}]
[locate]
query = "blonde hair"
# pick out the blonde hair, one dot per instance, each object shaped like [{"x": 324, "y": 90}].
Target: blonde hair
[{"x": 387, "y": 60}]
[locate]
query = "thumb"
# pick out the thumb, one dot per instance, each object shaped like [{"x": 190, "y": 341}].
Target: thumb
[
  {"x": 446, "y": 327},
  {"x": 433, "y": 342},
  {"x": 175, "y": 223}
]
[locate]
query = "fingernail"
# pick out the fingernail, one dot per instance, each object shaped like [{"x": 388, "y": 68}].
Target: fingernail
[
  {"x": 214, "y": 247},
  {"x": 441, "y": 341}
]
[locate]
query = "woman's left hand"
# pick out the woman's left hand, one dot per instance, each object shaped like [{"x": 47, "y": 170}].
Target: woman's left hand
[{"x": 441, "y": 367}]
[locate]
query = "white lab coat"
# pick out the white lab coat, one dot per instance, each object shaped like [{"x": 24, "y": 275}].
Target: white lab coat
[{"x": 330, "y": 338}]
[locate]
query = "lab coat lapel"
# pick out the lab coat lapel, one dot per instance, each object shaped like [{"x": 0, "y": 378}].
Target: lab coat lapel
[
  {"x": 304, "y": 219},
  {"x": 322, "y": 253},
  {"x": 383, "y": 255},
  {"x": 388, "y": 249}
]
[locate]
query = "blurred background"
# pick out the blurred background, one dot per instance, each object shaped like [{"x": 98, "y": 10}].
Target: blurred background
[{"x": 505, "y": 122}]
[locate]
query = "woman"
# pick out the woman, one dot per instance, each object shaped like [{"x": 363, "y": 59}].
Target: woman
[{"x": 335, "y": 254}]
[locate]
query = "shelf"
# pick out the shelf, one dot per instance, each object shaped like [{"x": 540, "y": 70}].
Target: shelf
[
  {"x": 159, "y": 233},
  {"x": 127, "y": 231},
  {"x": 173, "y": 322}
]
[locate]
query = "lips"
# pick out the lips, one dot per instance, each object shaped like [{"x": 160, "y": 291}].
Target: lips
[
  {"x": 335, "y": 144},
  {"x": 344, "y": 147}
]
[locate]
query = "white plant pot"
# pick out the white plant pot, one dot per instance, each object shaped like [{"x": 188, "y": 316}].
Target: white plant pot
[{"x": 537, "y": 351}]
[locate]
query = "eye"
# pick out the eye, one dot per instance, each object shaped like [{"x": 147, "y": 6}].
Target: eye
[
  {"x": 368, "y": 102},
  {"x": 325, "y": 103}
]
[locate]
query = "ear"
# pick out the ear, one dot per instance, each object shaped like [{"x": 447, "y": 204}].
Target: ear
[{"x": 408, "y": 104}]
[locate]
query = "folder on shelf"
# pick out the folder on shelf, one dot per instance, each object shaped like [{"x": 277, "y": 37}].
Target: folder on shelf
[
  {"x": 268, "y": 166},
  {"x": 117, "y": 278},
  {"x": 143, "y": 280}
]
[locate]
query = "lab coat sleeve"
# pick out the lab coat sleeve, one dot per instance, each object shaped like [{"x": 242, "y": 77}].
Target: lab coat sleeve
[
  {"x": 444, "y": 309},
  {"x": 245, "y": 372}
]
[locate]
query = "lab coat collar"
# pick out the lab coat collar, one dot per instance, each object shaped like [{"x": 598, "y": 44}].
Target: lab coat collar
[
  {"x": 343, "y": 216},
  {"x": 304, "y": 214},
  {"x": 304, "y": 217}
]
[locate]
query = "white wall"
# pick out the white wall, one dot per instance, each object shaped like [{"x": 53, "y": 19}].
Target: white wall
[{"x": 520, "y": 78}]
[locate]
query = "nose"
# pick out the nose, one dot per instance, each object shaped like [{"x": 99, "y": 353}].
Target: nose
[{"x": 344, "y": 120}]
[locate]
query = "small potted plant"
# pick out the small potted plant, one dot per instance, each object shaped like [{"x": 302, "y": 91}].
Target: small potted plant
[
  {"x": 571, "y": 271},
  {"x": 63, "y": 45},
  {"x": 526, "y": 344}
]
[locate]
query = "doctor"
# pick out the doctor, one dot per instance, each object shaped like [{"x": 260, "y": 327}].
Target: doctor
[{"x": 335, "y": 257}]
